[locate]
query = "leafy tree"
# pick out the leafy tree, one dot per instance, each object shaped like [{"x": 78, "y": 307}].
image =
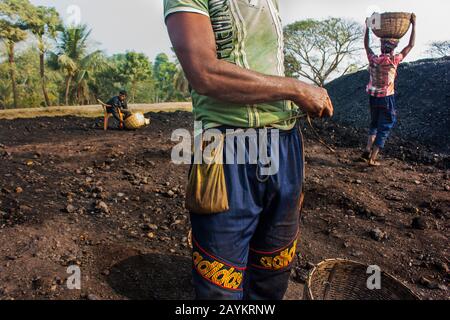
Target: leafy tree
[
  {"x": 28, "y": 80},
  {"x": 76, "y": 60},
  {"x": 11, "y": 35},
  {"x": 181, "y": 83},
  {"x": 5, "y": 82},
  {"x": 74, "y": 71},
  {"x": 164, "y": 72},
  {"x": 44, "y": 22},
  {"x": 319, "y": 50},
  {"x": 134, "y": 68},
  {"x": 85, "y": 79},
  {"x": 439, "y": 48},
  {"x": 116, "y": 75},
  {"x": 107, "y": 80},
  {"x": 12, "y": 13}
]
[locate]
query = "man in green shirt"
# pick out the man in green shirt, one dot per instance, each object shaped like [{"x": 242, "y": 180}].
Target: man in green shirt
[{"x": 232, "y": 54}]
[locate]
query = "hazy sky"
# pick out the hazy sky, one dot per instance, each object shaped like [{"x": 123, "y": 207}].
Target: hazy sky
[{"x": 138, "y": 25}]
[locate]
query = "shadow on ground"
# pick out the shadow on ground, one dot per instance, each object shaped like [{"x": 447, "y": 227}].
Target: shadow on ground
[{"x": 153, "y": 277}]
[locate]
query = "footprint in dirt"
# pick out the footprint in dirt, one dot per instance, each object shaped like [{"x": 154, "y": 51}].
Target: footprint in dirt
[{"x": 153, "y": 277}]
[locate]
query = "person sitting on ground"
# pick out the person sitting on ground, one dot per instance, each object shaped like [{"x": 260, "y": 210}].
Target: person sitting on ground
[
  {"x": 119, "y": 104},
  {"x": 381, "y": 89}
]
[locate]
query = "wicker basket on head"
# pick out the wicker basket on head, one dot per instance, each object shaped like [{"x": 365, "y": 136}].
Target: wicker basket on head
[
  {"x": 394, "y": 25},
  {"x": 338, "y": 279},
  {"x": 136, "y": 121}
]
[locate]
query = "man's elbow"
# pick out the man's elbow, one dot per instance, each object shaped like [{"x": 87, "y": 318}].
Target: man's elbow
[
  {"x": 201, "y": 87},
  {"x": 203, "y": 83}
]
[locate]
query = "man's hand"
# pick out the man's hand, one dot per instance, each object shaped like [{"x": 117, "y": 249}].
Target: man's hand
[
  {"x": 413, "y": 19},
  {"x": 314, "y": 101}
]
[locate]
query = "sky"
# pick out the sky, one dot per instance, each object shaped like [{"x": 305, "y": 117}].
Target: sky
[{"x": 138, "y": 25}]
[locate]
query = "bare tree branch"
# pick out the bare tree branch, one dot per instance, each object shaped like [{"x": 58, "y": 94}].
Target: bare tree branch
[
  {"x": 439, "y": 48},
  {"x": 319, "y": 50}
]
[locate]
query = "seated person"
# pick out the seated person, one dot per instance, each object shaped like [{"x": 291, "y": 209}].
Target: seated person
[{"x": 119, "y": 103}]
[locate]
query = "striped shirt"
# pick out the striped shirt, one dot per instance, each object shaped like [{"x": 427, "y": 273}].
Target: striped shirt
[
  {"x": 383, "y": 72},
  {"x": 249, "y": 34}
]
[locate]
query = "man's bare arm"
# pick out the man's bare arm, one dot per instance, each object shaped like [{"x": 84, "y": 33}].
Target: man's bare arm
[
  {"x": 194, "y": 43},
  {"x": 412, "y": 40}
]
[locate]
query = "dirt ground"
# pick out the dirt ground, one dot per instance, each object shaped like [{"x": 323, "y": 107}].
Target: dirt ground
[{"x": 112, "y": 203}]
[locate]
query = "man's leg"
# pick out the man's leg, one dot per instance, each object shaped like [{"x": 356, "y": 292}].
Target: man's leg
[
  {"x": 370, "y": 142},
  {"x": 374, "y": 113},
  {"x": 386, "y": 122},
  {"x": 273, "y": 247},
  {"x": 116, "y": 114},
  {"x": 126, "y": 114},
  {"x": 374, "y": 156},
  {"x": 368, "y": 151},
  {"x": 221, "y": 241}
]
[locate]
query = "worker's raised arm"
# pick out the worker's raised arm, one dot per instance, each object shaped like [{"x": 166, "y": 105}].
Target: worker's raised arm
[
  {"x": 193, "y": 40},
  {"x": 367, "y": 39},
  {"x": 412, "y": 40}
]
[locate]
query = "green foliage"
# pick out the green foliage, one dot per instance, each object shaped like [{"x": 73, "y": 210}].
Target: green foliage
[
  {"x": 13, "y": 14},
  {"x": 164, "y": 72},
  {"x": 44, "y": 22},
  {"x": 319, "y": 50},
  {"x": 119, "y": 74},
  {"x": 5, "y": 86},
  {"x": 28, "y": 82},
  {"x": 10, "y": 32},
  {"x": 134, "y": 68},
  {"x": 75, "y": 72}
]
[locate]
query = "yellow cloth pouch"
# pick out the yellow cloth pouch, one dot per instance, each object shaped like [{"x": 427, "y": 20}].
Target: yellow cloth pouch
[{"x": 207, "y": 190}]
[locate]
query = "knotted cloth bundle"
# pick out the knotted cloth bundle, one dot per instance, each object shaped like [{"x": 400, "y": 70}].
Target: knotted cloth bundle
[{"x": 207, "y": 190}]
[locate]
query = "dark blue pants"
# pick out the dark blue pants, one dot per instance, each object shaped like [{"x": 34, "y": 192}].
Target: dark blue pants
[
  {"x": 247, "y": 252},
  {"x": 383, "y": 115},
  {"x": 115, "y": 112}
]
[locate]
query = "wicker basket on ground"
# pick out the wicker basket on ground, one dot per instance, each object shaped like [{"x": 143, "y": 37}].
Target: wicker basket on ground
[
  {"x": 338, "y": 279},
  {"x": 136, "y": 121},
  {"x": 394, "y": 25}
]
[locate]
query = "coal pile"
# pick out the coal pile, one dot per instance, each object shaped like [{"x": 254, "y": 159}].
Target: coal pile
[{"x": 423, "y": 102}]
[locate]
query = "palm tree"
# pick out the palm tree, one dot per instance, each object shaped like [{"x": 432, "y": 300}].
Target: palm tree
[
  {"x": 10, "y": 35},
  {"x": 73, "y": 56},
  {"x": 12, "y": 31},
  {"x": 44, "y": 22},
  {"x": 85, "y": 79}
]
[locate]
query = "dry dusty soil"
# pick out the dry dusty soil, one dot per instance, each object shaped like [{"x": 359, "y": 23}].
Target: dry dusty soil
[{"x": 113, "y": 204}]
